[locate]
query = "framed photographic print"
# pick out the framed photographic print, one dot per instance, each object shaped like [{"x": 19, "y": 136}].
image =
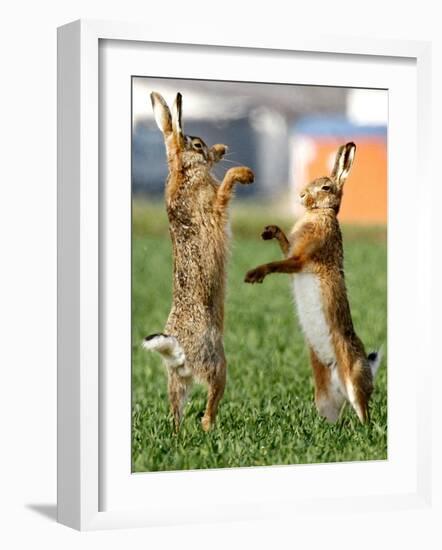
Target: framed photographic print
[
  {"x": 289, "y": 134},
  {"x": 197, "y": 359}
]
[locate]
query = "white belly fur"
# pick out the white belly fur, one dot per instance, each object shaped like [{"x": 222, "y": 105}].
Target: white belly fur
[{"x": 311, "y": 315}]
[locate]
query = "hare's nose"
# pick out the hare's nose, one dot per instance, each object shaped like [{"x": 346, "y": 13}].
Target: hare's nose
[{"x": 302, "y": 195}]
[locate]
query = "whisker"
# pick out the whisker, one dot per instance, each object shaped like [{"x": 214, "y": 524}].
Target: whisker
[
  {"x": 218, "y": 176},
  {"x": 231, "y": 161}
]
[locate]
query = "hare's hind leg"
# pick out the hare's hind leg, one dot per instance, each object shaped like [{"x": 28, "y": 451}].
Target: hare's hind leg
[
  {"x": 359, "y": 386},
  {"x": 179, "y": 387},
  {"x": 357, "y": 379},
  {"x": 216, "y": 385},
  {"x": 328, "y": 397}
]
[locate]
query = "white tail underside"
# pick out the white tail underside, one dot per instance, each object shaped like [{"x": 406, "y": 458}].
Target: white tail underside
[{"x": 171, "y": 351}]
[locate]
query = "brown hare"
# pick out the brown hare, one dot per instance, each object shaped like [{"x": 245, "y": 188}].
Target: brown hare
[
  {"x": 197, "y": 208},
  {"x": 314, "y": 255}
]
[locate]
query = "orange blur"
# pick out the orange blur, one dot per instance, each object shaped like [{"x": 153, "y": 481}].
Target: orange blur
[{"x": 365, "y": 192}]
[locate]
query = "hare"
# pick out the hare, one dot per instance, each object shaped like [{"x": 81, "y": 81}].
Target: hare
[
  {"x": 197, "y": 209},
  {"x": 314, "y": 255}
]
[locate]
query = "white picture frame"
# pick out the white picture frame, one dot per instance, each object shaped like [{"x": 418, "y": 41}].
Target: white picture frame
[{"x": 82, "y": 444}]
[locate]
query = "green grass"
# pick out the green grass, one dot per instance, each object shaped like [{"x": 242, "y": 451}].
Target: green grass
[{"x": 267, "y": 415}]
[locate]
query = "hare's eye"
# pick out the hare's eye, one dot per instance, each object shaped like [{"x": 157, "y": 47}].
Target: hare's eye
[
  {"x": 197, "y": 145},
  {"x": 326, "y": 187}
]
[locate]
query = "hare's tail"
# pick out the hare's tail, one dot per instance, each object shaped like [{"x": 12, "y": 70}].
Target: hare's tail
[
  {"x": 374, "y": 360},
  {"x": 167, "y": 346}
]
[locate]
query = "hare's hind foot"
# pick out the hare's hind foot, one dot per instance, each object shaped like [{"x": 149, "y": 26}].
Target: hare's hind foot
[
  {"x": 215, "y": 392},
  {"x": 328, "y": 410},
  {"x": 329, "y": 399},
  {"x": 330, "y": 403},
  {"x": 359, "y": 387},
  {"x": 178, "y": 391},
  {"x": 358, "y": 400},
  {"x": 356, "y": 375},
  {"x": 206, "y": 423}
]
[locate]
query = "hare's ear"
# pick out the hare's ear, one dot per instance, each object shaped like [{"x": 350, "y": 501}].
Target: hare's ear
[
  {"x": 343, "y": 163},
  {"x": 176, "y": 117},
  {"x": 162, "y": 113}
]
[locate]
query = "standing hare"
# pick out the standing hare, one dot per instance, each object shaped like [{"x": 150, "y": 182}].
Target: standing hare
[
  {"x": 314, "y": 255},
  {"x": 197, "y": 208}
]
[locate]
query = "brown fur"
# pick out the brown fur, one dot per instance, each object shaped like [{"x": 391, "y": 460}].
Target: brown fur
[
  {"x": 197, "y": 208},
  {"x": 315, "y": 246},
  {"x": 328, "y": 403}
]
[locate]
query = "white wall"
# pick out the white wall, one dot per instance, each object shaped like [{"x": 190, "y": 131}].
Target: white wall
[{"x": 28, "y": 246}]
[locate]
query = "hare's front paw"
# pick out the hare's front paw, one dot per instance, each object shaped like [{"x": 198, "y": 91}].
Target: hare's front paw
[
  {"x": 255, "y": 275},
  {"x": 242, "y": 175},
  {"x": 270, "y": 232}
]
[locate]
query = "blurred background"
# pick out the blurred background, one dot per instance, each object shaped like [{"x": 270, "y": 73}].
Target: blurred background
[{"x": 288, "y": 135}]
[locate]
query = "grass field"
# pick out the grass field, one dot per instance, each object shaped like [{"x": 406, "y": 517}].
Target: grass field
[{"x": 267, "y": 415}]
